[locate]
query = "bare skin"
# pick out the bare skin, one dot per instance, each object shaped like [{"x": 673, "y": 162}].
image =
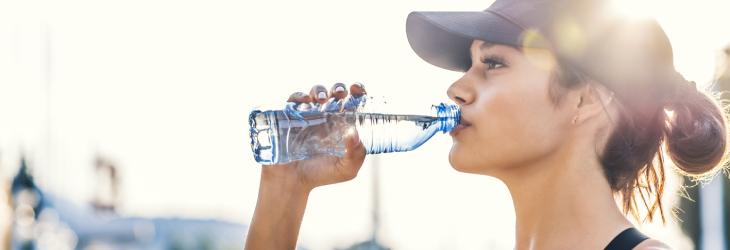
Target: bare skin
[{"x": 547, "y": 155}]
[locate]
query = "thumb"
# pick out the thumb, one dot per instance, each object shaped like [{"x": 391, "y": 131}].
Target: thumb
[{"x": 354, "y": 152}]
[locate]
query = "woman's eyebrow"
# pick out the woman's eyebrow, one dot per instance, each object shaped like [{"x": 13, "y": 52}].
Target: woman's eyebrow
[
  {"x": 486, "y": 45},
  {"x": 483, "y": 46}
]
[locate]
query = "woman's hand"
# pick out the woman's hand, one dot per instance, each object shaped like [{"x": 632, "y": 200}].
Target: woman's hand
[
  {"x": 321, "y": 170},
  {"x": 284, "y": 188}
]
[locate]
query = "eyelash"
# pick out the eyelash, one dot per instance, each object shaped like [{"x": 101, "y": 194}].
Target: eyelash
[{"x": 492, "y": 61}]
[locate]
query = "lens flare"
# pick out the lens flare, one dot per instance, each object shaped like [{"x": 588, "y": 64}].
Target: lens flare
[{"x": 543, "y": 58}]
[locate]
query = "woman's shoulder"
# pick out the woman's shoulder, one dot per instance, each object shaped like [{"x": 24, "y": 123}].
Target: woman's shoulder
[{"x": 652, "y": 244}]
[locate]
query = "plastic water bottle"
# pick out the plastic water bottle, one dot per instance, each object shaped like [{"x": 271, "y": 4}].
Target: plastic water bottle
[{"x": 281, "y": 136}]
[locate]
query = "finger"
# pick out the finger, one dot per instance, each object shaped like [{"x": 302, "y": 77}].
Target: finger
[
  {"x": 299, "y": 97},
  {"x": 354, "y": 153},
  {"x": 299, "y": 101},
  {"x": 319, "y": 94},
  {"x": 338, "y": 91},
  {"x": 356, "y": 100},
  {"x": 357, "y": 89}
]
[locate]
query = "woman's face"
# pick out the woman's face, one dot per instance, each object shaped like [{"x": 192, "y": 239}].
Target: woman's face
[{"x": 507, "y": 116}]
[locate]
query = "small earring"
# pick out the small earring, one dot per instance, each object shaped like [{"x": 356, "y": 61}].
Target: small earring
[{"x": 575, "y": 119}]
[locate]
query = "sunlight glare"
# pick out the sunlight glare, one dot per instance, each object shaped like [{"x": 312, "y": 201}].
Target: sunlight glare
[{"x": 639, "y": 9}]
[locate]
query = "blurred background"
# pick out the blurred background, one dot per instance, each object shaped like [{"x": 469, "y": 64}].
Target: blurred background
[{"x": 123, "y": 124}]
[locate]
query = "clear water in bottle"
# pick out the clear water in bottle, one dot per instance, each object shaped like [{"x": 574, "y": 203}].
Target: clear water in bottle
[{"x": 280, "y": 136}]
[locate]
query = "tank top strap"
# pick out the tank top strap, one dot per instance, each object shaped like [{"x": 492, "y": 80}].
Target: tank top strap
[{"x": 626, "y": 240}]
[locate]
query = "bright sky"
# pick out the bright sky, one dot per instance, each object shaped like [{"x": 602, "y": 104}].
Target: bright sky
[{"x": 163, "y": 88}]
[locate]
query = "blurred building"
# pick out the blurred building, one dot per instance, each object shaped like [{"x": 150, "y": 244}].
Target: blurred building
[{"x": 45, "y": 221}]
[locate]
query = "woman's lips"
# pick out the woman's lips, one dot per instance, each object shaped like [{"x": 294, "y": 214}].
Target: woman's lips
[{"x": 462, "y": 125}]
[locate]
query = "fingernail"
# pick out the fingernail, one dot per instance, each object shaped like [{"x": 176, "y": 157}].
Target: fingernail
[
  {"x": 322, "y": 95},
  {"x": 351, "y": 136},
  {"x": 340, "y": 89},
  {"x": 294, "y": 96},
  {"x": 304, "y": 107},
  {"x": 351, "y": 140}
]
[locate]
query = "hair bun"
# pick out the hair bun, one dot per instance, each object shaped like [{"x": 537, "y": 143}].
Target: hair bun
[{"x": 696, "y": 133}]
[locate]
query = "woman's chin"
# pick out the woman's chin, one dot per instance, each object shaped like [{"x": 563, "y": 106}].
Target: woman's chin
[
  {"x": 459, "y": 159},
  {"x": 464, "y": 161}
]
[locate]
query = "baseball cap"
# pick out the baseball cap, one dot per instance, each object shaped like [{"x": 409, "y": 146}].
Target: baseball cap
[{"x": 627, "y": 54}]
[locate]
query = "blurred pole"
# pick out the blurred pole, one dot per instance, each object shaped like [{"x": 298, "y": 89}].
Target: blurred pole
[
  {"x": 712, "y": 215},
  {"x": 372, "y": 243},
  {"x": 46, "y": 70},
  {"x": 374, "y": 160}
]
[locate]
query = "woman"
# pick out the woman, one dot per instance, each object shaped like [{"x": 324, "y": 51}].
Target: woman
[{"x": 564, "y": 102}]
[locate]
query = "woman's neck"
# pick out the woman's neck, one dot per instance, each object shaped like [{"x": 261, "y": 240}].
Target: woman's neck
[{"x": 564, "y": 202}]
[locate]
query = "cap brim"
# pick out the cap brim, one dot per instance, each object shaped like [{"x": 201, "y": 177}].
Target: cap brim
[{"x": 443, "y": 38}]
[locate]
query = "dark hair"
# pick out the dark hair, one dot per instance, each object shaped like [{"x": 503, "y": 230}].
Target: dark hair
[{"x": 693, "y": 134}]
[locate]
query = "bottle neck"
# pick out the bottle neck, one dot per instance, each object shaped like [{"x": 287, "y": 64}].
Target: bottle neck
[{"x": 448, "y": 116}]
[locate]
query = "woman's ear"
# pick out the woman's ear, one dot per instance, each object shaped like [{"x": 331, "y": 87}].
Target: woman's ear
[{"x": 592, "y": 103}]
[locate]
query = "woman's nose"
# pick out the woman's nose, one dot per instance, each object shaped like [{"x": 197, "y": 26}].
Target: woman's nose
[{"x": 460, "y": 92}]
